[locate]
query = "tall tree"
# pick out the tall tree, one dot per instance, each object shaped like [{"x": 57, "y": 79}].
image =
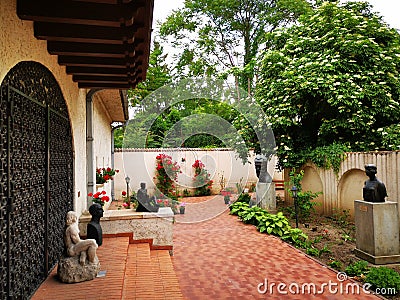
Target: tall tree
[
  {"x": 217, "y": 35},
  {"x": 158, "y": 75},
  {"x": 332, "y": 84}
]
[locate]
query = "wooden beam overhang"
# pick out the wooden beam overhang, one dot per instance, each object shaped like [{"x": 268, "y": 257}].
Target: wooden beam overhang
[{"x": 102, "y": 43}]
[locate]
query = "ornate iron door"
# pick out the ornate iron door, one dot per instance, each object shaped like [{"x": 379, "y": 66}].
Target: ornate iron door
[{"x": 36, "y": 181}]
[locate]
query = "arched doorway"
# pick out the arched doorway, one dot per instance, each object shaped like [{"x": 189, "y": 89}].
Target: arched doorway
[{"x": 36, "y": 177}]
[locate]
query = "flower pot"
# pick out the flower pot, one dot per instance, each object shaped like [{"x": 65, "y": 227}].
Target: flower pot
[
  {"x": 182, "y": 210},
  {"x": 227, "y": 199}
]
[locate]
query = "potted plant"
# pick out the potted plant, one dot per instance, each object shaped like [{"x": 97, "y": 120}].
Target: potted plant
[
  {"x": 182, "y": 208},
  {"x": 99, "y": 197},
  {"x": 105, "y": 174},
  {"x": 227, "y": 196},
  {"x": 130, "y": 202}
]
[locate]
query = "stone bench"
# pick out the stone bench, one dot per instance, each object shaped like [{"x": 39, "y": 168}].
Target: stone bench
[{"x": 153, "y": 228}]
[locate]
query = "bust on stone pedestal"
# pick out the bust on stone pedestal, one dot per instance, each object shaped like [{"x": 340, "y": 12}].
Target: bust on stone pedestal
[
  {"x": 377, "y": 223},
  {"x": 373, "y": 190}
]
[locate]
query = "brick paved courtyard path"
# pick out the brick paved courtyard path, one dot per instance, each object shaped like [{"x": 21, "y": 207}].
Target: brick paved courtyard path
[{"x": 222, "y": 258}]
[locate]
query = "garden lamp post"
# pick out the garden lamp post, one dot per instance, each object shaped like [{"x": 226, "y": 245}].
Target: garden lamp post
[
  {"x": 127, "y": 180},
  {"x": 294, "y": 194}
]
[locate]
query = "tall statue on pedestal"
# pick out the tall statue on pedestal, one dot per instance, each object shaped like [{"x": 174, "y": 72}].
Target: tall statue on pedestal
[{"x": 373, "y": 190}]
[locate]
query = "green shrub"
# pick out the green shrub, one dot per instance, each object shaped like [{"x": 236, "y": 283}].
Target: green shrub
[
  {"x": 304, "y": 198},
  {"x": 252, "y": 215},
  {"x": 385, "y": 279},
  {"x": 244, "y": 197},
  {"x": 335, "y": 264},
  {"x": 277, "y": 225},
  {"x": 357, "y": 269},
  {"x": 296, "y": 237},
  {"x": 238, "y": 207},
  {"x": 273, "y": 224}
]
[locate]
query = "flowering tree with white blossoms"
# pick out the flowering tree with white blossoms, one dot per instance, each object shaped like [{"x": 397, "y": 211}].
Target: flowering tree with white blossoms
[{"x": 331, "y": 84}]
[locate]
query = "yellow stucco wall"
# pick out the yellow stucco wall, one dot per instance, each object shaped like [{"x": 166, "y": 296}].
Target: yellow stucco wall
[
  {"x": 17, "y": 43},
  {"x": 340, "y": 190}
]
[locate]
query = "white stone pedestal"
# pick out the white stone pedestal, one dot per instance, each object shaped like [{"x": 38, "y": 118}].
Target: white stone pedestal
[
  {"x": 377, "y": 231},
  {"x": 266, "y": 196}
]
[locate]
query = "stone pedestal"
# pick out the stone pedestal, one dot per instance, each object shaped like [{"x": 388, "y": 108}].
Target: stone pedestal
[
  {"x": 377, "y": 231},
  {"x": 266, "y": 196},
  {"x": 69, "y": 270}
]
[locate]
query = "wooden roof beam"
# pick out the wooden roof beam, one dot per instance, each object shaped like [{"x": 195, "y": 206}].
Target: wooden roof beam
[
  {"x": 88, "y": 33},
  {"x": 90, "y": 49},
  {"x": 74, "y": 12},
  {"x": 105, "y": 62}
]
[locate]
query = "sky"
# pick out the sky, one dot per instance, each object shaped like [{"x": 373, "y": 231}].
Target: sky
[{"x": 389, "y": 9}]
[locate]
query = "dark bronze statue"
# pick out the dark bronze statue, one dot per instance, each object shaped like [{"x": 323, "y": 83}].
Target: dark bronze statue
[
  {"x": 373, "y": 190},
  {"x": 94, "y": 230},
  {"x": 261, "y": 165},
  {"x": 145, "y": 203}
]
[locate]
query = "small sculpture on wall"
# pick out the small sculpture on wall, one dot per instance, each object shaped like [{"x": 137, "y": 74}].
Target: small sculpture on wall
[{"x": 373, "y": 190}]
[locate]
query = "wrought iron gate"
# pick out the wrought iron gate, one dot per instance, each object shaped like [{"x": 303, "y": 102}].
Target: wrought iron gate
[{"x": 36, "y": 178}]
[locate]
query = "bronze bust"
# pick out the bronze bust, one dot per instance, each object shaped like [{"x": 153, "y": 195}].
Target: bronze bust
[{"x": 373, "y": 190}]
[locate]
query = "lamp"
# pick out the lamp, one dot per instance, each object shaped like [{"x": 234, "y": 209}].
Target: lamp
[
  {"x": 127, "y": 180},
  {"x": 294, "y": 195}
]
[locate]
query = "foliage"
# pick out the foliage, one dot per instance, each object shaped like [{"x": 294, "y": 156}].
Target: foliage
[
  {"x": 186, "y": 193},
  {"x": 239, "y": 186},
  {"x": 216, "y": 35},
  {"x": 201, "y": 179},
  {"x": 222, "y": 181},
  {"x": 277, "y": 225},
  {"x": 166, "y": 174},
  {"x": 158, "y": 75},
  {"x": 244, "y": 197},
  {"x": 105, "y": 174},
  {"x": 335, "y": 264},
  {"x": 384, "y": 278},
  {"x": 341, "y": 219},
  {"x": 99, "y": 197},
  {"x": 129, "y": 202},
  {"x": 358, "y": 268},
  {"x": 304, "y": 198},
  {"x": 331, "y": 84}
]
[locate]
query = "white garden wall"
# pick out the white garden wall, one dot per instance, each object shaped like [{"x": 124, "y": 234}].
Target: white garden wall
[{"x": 140, "y": 165}]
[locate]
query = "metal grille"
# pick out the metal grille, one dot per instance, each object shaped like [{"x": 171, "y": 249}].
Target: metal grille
[
  {"x": 3, "y": 195},
  {"x": 61, "y": 189},
  {"x": 35, "y": 154}
]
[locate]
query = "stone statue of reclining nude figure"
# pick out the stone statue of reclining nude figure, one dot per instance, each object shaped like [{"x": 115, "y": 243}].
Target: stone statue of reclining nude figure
[{"x": 74, "y": 245}]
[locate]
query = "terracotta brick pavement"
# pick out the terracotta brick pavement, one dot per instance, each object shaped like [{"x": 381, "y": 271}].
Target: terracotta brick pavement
[
  {"x": 222, "y": 258},
  {"x": 112, "y": 255},
  {"x": 133, "y": 272}
]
